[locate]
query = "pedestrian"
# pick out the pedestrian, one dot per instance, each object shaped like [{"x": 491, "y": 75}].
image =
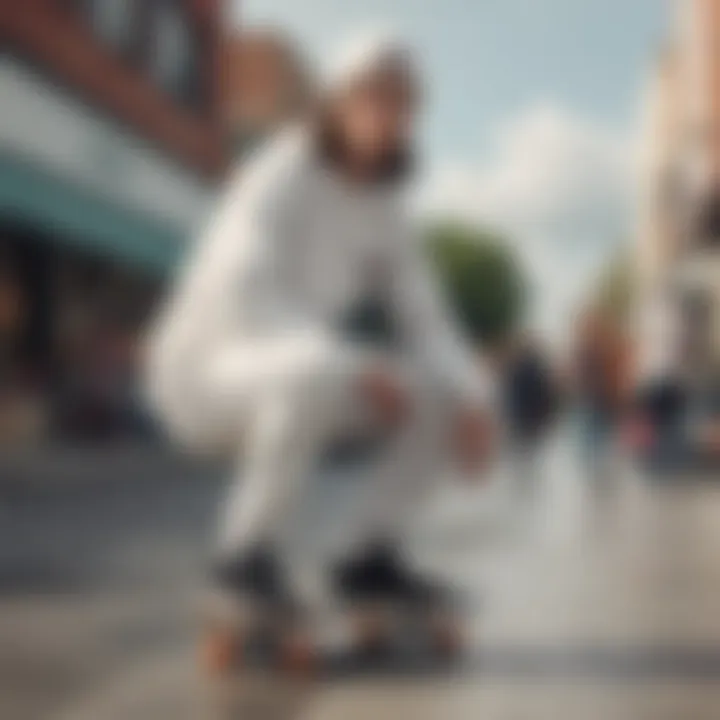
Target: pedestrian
[
  {"x": 664, "y": 376},
  {"x": 266, "y": 345},
  {"x": 599, "y": 378},
  {"x": 531, "y": 402}
]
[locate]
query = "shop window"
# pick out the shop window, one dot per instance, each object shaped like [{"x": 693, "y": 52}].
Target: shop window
[
  {"x": 112, "y": 21},
  {"x": 174, "y": 52}
]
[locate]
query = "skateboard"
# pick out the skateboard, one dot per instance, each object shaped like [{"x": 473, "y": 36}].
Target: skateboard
[
  {"x": 259, "y": 665},
  {"x": 240, "y": 637},
  {"x": 393, "y": 632}
]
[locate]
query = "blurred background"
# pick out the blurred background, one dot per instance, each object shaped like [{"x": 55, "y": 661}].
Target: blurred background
[{"x": 571, "y": 171}]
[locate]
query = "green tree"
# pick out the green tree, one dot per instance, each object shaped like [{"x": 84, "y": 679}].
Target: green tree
[{"x": 482, "y": 278}]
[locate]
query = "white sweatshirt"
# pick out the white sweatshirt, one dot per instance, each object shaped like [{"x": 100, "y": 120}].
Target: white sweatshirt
[{"x": 289, "y": 251}]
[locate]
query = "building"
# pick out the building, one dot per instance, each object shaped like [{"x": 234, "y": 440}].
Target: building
[
  {"x": 110, "y": 145},
  {"x": 679, "y": 238},
  {"x": 265, "y": 84}
]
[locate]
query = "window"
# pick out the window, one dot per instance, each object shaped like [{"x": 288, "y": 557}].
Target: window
[
  {"x": 112, "y": 20},
  {"x": 174, "y": 52}
]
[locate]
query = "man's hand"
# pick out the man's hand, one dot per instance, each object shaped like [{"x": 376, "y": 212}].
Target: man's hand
[
  {"x": 473, "y": 440},
  {"x": 387, "y": 398}
]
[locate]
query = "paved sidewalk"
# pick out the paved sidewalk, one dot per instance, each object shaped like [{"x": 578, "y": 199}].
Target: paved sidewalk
[
  {"x": 594, "y": 612},
  {"x": 58, "y": 466}
]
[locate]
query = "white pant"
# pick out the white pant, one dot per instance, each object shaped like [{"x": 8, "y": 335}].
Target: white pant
[{"x": 282, "y": 423}]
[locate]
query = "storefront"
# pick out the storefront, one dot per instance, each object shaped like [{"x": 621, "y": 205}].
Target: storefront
[{"x": 92, "y": 218}]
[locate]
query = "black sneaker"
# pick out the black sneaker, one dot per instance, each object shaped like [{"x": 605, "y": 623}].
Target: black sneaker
[
  {"x": 381, "y": 575},
  {"x": 256, "y": 575}
]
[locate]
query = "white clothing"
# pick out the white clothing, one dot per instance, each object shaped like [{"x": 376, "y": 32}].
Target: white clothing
[{"x": 246, "y": 350}]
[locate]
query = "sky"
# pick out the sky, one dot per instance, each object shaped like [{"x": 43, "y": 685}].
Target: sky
[{"x": 532, "y": 119}]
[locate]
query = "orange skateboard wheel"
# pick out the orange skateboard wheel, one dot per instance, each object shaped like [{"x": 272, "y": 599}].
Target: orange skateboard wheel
[{"x": 218, "y": 653}]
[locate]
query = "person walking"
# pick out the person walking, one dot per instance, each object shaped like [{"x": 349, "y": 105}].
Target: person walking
[
  {"x": 531, "y": 400},
  {"x": 600, "y": 378}
]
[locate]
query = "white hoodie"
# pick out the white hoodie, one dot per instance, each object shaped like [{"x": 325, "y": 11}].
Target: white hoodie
[{"x": 288, "y": 252}]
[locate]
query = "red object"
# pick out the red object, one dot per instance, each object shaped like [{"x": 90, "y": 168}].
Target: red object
[{"x": 638, "y": 435}]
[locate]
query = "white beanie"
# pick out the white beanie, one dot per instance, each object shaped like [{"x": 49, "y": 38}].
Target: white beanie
[{"x": 367, "y": 56}]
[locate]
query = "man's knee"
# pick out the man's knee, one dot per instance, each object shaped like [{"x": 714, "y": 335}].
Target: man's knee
[{"x": 310, "y": 399}]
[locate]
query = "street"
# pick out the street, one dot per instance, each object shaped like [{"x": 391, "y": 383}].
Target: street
[{"x": 594, "y": 604}]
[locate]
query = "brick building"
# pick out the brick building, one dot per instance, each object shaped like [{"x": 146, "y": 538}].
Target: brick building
[
  {"x": 110, "y": 146},
  {"x": 265, "y": 83}
]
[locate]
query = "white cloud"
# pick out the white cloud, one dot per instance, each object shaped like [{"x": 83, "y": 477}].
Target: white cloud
[{"x": 560, "y": 187}]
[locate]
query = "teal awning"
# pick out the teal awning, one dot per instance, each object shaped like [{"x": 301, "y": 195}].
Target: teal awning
[{"x": 75, "y": 215}]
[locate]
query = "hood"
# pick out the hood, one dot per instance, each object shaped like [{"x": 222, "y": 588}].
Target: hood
[{"x": 369, "y": 55}]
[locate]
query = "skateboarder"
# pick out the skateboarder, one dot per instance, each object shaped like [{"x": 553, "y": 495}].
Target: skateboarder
[{"x": 306, "y": 316}]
